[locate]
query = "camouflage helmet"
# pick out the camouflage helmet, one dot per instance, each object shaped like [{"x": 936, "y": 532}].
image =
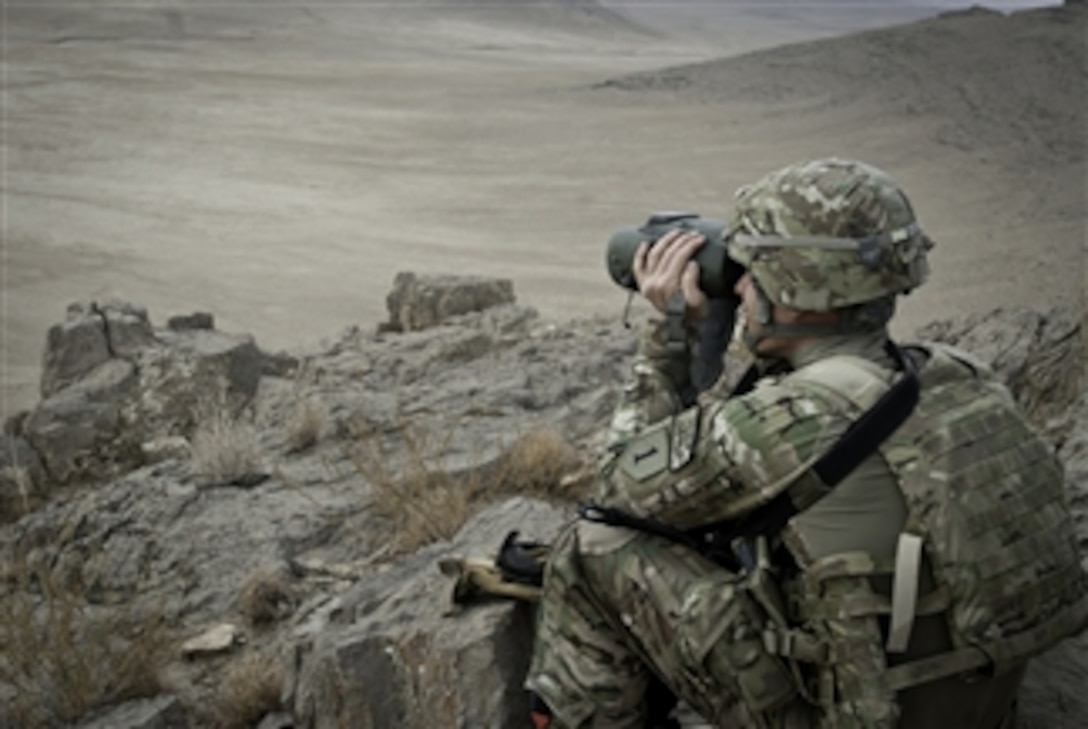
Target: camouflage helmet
[{"x": 828, "y": 234}]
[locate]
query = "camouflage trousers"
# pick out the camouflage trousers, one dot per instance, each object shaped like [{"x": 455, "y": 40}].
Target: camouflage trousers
[{"x": 620, "y": 606}]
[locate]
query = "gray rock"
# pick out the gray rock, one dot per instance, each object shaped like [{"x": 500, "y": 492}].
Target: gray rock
[
  {"x": 371, "y": 638},
  {"x": 276, "y": 720},
  {"x": 1039, "y": 355},
  {"x": 189, "y": 376},
  {"x": 1053, "y": 696},
  {"x": 91, "y": 334},
  {"x": 395, "y": 655},
  {"x": 217, "y": 639},
  {"x": 421, "y": 302},
  {"x": 187, "y": 322},
  {"x": 80, "y": 432},
  {"x": 128, "y": 329},
  {"x": 73, "y": 348},
  {"x": 111, "y": 386},
  {"x": 161, "y": 712},
  {"x": 1074, "y": 454}
]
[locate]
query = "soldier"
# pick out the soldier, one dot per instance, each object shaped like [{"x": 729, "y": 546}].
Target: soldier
[{"x": 870, "y": 536}]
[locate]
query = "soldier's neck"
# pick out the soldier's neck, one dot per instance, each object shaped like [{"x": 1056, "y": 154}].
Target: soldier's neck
[{"x": 869, "y": 345}]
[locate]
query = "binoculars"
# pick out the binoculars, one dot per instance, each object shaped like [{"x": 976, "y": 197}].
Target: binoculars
[{"x": 718, "y": 273}]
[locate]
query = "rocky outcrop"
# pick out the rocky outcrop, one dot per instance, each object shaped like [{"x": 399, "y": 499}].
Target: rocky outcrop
[
  {"x": 1040, "y": 355},
  {"x": 1053, "y": 693},
  {"x": 112, "y": 384},
  {"x": 303, "y": 564},
  {"x": 421, "y": 302},
  {"x": 90, "y": 335},
  {"x": 421, "y": 662}
]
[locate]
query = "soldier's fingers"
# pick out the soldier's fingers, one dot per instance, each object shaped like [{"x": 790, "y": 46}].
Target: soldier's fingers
[
  {"x": 693, "y": 293},
  {"x": 679, "y": 251},
  {"x": 660, "y": 248},
  {"x": 638, "y": 264}
]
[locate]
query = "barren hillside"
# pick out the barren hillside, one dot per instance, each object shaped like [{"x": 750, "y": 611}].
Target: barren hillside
[{"x": 280, "y": 164}]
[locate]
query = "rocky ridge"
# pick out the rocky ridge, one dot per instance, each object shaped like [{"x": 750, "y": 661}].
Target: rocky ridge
[{"x": 283, "y": 555}]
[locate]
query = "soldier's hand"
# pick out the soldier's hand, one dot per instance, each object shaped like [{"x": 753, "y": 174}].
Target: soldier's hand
[{"x": 669, "y": 266}]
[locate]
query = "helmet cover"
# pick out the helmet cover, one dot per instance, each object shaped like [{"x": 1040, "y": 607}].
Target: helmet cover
[{"x": 828, "y": 234}]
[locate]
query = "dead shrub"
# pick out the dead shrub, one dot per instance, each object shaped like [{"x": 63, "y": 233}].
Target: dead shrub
[
  {"x": 65, "y": 657},
  {"x": 543, "y": 463},
  {"x": 251, "y": 687},
  {"x": 22, "y": 501},
  {"x": 265, "y": 598},
  {"x": 305, "y": 424},
  {"x": 224, "y": 447},
  {"x": 425, "y": 503},
  {"x": 19, "y": 495}
]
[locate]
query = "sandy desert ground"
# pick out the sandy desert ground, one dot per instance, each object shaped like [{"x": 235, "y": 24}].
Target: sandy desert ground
[{"x": 278, "y": 164}]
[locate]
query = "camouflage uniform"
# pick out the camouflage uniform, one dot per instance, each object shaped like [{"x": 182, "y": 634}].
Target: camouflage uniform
[{"x": 816, "y": 636}]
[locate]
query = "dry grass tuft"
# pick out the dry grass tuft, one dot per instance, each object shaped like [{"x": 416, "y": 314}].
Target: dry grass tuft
[
  {"x": 225, "y": 447},
  {"x": 265, "y": 598},
  {"x": 63, "y": 659},
  {"x": 251, "y": 687},
  {"x": 22, "y": 501},
  {"x": 426, "y": 503},
  {"x": 543, "y": 463},
  {"x": 305, "y": 424},
  {"x": 423, "y": 502}
]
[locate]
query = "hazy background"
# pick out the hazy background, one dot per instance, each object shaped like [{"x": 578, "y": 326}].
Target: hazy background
[{"x": 277, "y": 164}]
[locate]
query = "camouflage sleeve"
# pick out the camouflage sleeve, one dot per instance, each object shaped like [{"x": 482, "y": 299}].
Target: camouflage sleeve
[
  {"x": 717, "y": 462},
  {"x": 649, "y": 394}
]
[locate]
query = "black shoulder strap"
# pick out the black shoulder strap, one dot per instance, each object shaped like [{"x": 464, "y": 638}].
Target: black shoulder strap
[
  {"x": 860, "y": 440},
  {"x": 874, "y": 426}
]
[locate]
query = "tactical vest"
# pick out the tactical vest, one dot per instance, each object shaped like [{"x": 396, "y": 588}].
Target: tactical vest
[{"x": 986, "y": 508}]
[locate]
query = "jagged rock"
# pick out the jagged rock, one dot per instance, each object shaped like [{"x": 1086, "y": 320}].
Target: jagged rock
[
  {"x": 91, "y": 334},
  {"x": 80, "y": 432},
  {"x": 197, "y": 367},
  {"x": 277, "y": 720},
  {"x": 1053, "y": 694},
  {"x": 187, "y": 322},
  {"x": 392, "y": 654},
  {"x": 112, "y": 386},
  {"x": 161, "y": 712},
  {"x": 73, "y": 348},
  {"x": 156, "y": 540},
  {"x": 216, "y": 639},
  {"x": 1074, "y": 454},
  {"x": 421, "y": 302},
  {"x": 279, "y": 364},
  {"x": 128, "y": 329},
  {"x": 1039, "y": 355},
  {"x": 97, "y": 425}
]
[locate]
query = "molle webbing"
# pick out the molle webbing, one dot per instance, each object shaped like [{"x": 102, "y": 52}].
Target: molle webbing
[{"x": 987, "y": 496}]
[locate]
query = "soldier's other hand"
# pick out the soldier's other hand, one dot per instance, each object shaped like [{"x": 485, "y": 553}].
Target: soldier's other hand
[{"x": 669, "y": 266}]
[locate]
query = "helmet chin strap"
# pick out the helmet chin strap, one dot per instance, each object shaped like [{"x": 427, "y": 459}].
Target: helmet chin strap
[{"x": 863, "y": 318}]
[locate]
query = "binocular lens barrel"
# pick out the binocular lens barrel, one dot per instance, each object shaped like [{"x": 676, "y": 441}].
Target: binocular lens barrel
[{"x": 718, "y": 273}]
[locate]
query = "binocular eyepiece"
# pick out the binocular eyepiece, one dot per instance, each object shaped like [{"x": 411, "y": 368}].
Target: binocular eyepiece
[{"x": 718, "y": 273}]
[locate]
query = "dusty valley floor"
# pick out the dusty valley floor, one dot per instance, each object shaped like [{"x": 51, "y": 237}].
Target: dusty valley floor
[{"x": 278, "y": 165}]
